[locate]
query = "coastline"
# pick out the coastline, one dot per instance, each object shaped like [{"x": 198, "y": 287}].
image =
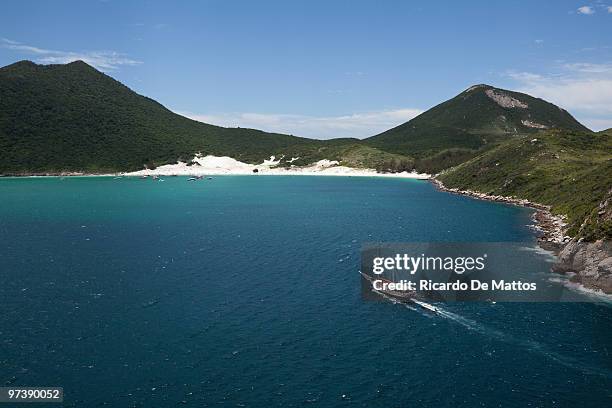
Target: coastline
[
  {"x": 352, "y": 173},
  {"x": 552, "y": 228},
  {"x": 586, "y": 265},
  {"x": 226, "y": 166},
  {"x": 223, "y": 165}
]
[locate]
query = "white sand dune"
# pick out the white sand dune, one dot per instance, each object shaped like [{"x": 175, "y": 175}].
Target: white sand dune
[{"x": 215, "y": 165}]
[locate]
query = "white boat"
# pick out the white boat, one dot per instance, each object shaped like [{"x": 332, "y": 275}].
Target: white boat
[
  {"x": 401, "y": 296},
  {"x": 426, "y": 306},
  {"x": 191, "y": 179},
  {"x": 396, "y": 294}
]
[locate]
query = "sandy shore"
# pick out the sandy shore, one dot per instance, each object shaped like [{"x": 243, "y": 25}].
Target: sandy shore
[{"x": 215, "y": 165}]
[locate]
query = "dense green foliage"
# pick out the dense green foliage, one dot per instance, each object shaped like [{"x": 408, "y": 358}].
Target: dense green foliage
[
  {"x": 444, "y": 159},
  {"x": 471, "y": 120},
  {"x": 56, "y": 118},
  {"x": 568, "y": 170},
  {"x": 71, "y": 117}
]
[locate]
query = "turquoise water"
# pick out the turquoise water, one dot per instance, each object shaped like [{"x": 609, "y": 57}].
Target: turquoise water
[{"x": 243, "y": 291}]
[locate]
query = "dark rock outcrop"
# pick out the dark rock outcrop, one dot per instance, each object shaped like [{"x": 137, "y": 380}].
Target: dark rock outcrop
[{"x": 590, "y": 264}]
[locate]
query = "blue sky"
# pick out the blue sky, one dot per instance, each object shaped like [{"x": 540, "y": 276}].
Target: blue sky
[{"x": 325, "y": 68}]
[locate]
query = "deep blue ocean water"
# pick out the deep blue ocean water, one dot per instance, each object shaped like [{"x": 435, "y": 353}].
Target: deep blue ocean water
[{"x": 244, "y": 291}]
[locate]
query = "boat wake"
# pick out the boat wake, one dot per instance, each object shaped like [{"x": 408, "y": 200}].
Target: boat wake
[
  {"x": 529, "y": 345},
  {"x": 410, "y": 306}
]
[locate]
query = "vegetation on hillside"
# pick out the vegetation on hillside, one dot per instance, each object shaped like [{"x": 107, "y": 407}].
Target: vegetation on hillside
[
  {"x": 570, "y": 171},
  {"x": 71, "y": 117},
  {"x": 56, "y": 118},
  {"x": 352, "y": 153},
  {"x": 445, "y": 159},
  {"x": 475, "y": 119}
]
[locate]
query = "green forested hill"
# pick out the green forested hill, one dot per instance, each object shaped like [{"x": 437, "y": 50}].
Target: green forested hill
[
  {"x": 469, "y": 123},
  {"x": 56, "y": 118},
  {"x": 569, "y": 170},
  {"x": 72, "y": 117}
]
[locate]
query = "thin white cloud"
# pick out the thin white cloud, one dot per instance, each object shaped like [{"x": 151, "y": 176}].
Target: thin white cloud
[
  {"x": 102, "y": 60},
  {"x": 589, "y": 68},
  {"x": 609, "y": 8},
  {"x": 357, "y": 125},
  {"x": 584, "y": 89},
  {"x": 586, "y": 10}
]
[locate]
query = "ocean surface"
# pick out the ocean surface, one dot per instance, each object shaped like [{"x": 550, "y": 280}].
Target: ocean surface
[{"x": 244, "y": 291}]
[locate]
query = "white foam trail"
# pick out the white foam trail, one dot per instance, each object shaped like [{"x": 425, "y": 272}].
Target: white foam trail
[
  {"x": 410, "y": 306},
  {"x": 530, "y": 345},
  {"x": 597, "y": 295},
  {"x": 549, "y": 255}
]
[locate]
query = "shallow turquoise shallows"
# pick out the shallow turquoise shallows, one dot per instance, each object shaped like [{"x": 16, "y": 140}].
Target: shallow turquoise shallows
[{"x": 244, "y": 291}]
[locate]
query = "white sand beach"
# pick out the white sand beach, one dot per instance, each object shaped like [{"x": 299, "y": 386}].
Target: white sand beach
[{"x": 215, "y": 165}]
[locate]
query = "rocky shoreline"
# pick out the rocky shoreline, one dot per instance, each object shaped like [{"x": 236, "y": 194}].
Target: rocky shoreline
[
  {"x": 586, "y": 263},
  {"x": 551, "y": 228}
]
